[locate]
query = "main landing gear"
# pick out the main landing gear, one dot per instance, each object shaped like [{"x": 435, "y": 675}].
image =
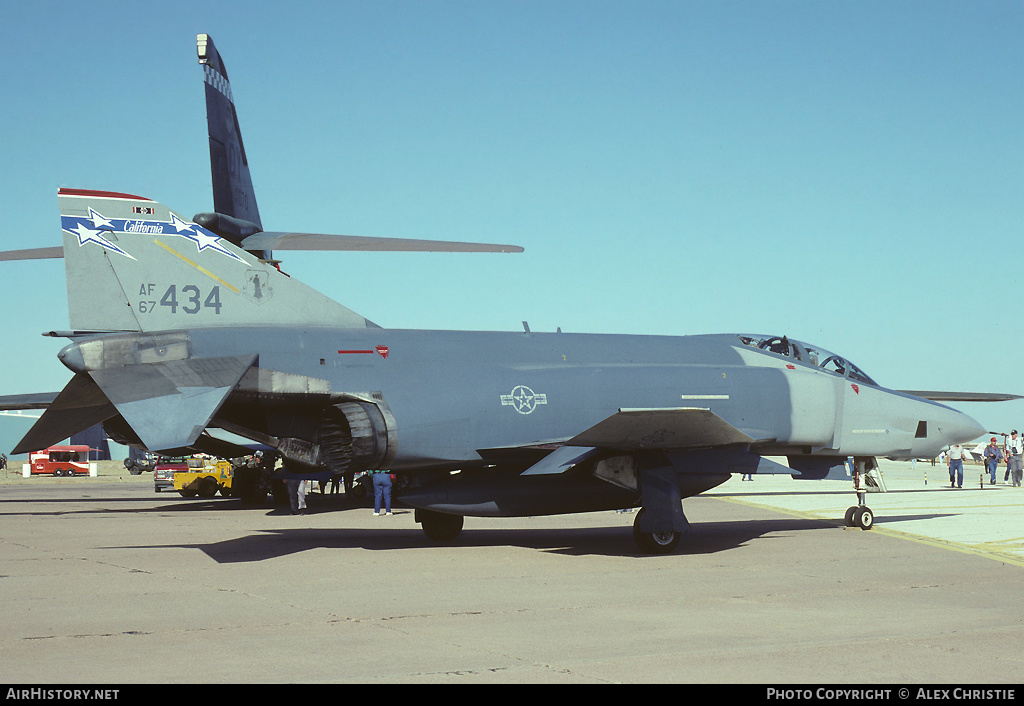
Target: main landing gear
[
  {"x": 660, "y": 523},
  {"x": 439, "y": 526},
  {"x": 656, "y": 542}
]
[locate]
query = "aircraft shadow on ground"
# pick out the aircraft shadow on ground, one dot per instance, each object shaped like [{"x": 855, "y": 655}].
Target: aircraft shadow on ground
[
  {"x": 108, "y": 506},
  {"x": 938, "y": 487},
  {"x": 703, "y": 538}
]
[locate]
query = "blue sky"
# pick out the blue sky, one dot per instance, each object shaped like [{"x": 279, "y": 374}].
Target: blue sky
[{"x": 847, "y": 173}]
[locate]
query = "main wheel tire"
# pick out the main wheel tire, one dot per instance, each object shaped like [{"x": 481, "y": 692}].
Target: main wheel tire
[
  {"x": 440, "y": 526},
  {"x": 655, "y": 542}
]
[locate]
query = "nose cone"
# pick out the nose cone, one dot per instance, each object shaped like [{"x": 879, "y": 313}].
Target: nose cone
[{"x": 957, "y": 427}]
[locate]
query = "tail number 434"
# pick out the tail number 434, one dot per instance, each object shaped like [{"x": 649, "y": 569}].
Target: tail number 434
[{"x": 189, "y": 298}]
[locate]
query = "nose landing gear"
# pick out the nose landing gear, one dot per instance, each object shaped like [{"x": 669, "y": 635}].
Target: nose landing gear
[{"x": 860, "y": 515}]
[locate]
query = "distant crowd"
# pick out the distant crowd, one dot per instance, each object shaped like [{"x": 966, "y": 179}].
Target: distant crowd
[{"x": 1010, "y": 453}]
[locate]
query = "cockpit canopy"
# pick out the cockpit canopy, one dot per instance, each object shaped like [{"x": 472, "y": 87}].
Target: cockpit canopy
[{"x": 812, "y": 355}]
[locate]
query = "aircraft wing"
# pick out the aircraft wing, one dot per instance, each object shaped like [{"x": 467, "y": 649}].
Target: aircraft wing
[
  {"x": 664, "y": 429},
  {"x": 939, "y": 396},
  {"x": 266, "y": 240}
]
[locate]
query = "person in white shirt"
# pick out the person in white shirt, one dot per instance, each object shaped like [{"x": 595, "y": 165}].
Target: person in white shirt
[
  {"x": 957, "y": 454},
  {"x": 1014, "y": 449}
]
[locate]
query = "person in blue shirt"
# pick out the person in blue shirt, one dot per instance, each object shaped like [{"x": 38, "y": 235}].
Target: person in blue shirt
[{"x": 992, "y": 455}]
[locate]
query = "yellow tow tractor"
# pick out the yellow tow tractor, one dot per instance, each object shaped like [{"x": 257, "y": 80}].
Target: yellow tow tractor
[{"x": 204, "y": 477}]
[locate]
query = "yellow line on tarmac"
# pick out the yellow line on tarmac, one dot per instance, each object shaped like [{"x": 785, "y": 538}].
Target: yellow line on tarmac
[
  {"x": 196, "y": 265},
  {"x": 975, "y": 549},
  {"x": 1016, "y": 543}
]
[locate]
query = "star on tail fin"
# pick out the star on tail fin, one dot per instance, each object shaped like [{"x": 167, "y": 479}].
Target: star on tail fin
[{"x": 134, "y": 265}]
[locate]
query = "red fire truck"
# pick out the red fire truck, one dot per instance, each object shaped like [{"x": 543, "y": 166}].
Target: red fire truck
[{"x": 60, "y": 461}]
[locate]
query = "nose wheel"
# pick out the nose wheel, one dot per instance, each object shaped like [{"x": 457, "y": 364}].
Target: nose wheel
[{"x": 860, "y": 515}]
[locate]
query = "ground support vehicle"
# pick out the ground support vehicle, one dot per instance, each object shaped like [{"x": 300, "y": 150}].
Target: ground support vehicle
[
  {"x": 252, "y": 480},
  {"x": 204, "y": 477}
]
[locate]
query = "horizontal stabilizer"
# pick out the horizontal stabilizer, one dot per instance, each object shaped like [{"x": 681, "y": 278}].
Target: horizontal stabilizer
[
  {"x": 675, "y": 428},
  {"x": 80, "y": 405},
  {"x": 33, "y": 253},
  {"x": 939, "y": 396},
  {"x": 319, "y": 241},
  {"x": 312, "y": 241},
  {"x": 169, "y": 404}
]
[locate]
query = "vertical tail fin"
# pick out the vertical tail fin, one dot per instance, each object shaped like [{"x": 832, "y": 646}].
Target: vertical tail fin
[
  {"x": 134, "y": 265},
  {"x": 233, "y": 193}
]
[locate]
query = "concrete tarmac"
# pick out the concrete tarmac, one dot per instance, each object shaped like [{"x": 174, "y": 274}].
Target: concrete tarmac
[{"x": 105, "y": 582}]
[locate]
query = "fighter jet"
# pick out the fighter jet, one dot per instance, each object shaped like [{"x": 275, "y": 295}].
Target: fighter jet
[{"x": 181, "y": 326}]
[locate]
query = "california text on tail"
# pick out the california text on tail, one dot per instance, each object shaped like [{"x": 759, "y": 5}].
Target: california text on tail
[{"x": 134, "y": 265}]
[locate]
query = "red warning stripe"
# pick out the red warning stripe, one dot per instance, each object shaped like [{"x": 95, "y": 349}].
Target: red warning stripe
[
  {"x": 100, "y": 194},
  {"x": 382, "y": 351}
]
